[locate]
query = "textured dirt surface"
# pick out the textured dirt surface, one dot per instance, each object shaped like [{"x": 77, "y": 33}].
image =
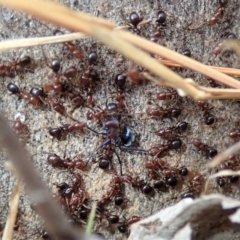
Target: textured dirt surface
[{"x": 185, "y": 28}]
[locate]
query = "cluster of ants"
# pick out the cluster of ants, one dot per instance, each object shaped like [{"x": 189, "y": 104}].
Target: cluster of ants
[{"x": 79, "y": 88}]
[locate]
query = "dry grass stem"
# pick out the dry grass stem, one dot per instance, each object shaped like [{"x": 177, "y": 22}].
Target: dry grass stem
[
  {"x": 46, "y": 207},
  {"x": 100, "y": 29},
  {"x": 13, "y": 204},
  {"x": 230, "y": 71},
  {"x": 218, "y": 93},
  {"x": 30, "y": 42},
  {"x": 179, "y": 58},
  {"x": 206, "y": 93},
  {"x": 56, "y": 11},
  {"x": 219, "y": 174},
  {"x": 224, "y": 155},
  {"x": 63, "y": 16}
]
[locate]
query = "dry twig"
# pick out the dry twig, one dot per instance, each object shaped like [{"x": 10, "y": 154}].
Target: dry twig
[
  {"x": 76, "y": 21},
  {"x": 48, "y": 209},
  {"x": 230, "y": 71}
]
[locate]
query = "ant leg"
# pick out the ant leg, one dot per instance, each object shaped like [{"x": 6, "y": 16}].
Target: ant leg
[
  {"x": 106, "y": 142},
  {"x": 119, "y": 160},
  {"x": 132, "y": 149},
  {"x": 90, "y": 129},
  {"x": 103, "y": 132}
]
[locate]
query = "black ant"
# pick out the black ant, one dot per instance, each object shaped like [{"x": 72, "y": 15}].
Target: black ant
[
  {"x": 124, "y": 226},
  {"x": 218, "y": 13},
  {"x": 111, "y": 137},
  {"x": 187, "y": 53},
  {"x": 209, "y": 151},
  {"x": 73, "y": 194}
]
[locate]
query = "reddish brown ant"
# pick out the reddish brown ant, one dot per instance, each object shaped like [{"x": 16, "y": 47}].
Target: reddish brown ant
[
  {"x": 86, "y": 80},
  {"x": 209, "y": 119},
  {"x": 77, "y": 52},
  {"x": 141, "y": 185},
  {"x": 158, "y": 150},
  {"x": 31, "y": 98},
  {"x": 136, "y": 77},
  {"x": 73, "y": 194},
  {"x": 115, "y": 190},
  {"x": 209, "y": 151},
  {"x": 173, "y": 144},
  {"x": 171, "y": 131},
  {"x": 218, "y": 13},
  {"x": 18, "y": 124},
  {"x": 58, "y": 132},
  {"x": 194, "y": 184},
  {"x": 166, "y": 95},
  {"x": 20, "y": 63},
  {"x": 157, "y": 112},
  {"x": 234, "y": 134},
  {"x": 56, "y": 161}
]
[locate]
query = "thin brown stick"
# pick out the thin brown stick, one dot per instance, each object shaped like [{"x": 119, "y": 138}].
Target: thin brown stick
[
  {"x": 210, "y": 93},
  {"x": 230, "y": 71},
  {"x": 48, "y": 209},
  {"x": 218, "y": 93},
  {"x": 224, "y": 155},
  {"x": 179, "y": 58}
]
